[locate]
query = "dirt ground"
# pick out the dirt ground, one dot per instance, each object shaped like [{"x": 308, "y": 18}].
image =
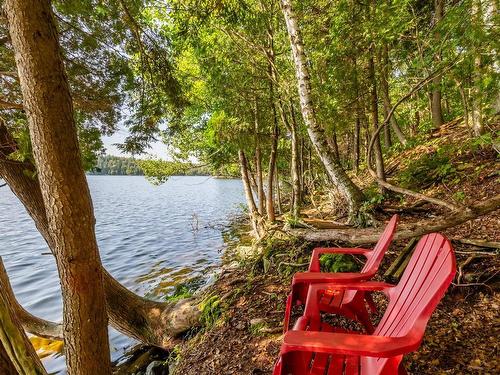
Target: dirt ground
[{"x": 462, "y": 336}]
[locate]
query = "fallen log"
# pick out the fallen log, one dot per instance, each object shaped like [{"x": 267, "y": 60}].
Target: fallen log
[
  {"x": 479, "y": 243},
  {"x": 401, "y": 259},
  {"x": 358, "y": 236}
]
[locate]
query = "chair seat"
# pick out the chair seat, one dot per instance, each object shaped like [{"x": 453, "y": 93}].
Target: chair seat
[{"x": 321, "y": 364}]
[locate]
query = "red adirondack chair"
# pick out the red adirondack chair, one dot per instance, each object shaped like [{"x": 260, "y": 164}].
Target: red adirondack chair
[
  {"x": 348, "y": 301},
  {"x": 315, "y": 347}
]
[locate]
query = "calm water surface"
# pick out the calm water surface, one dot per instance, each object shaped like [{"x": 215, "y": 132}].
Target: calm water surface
[{"x": 150, "y": 238}]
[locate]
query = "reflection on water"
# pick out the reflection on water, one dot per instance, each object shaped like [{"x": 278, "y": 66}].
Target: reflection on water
[{"x": 150, "y": 239}]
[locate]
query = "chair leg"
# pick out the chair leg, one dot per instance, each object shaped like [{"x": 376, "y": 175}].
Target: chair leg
[
  {"x": 358, "y": 307},
  {"x": 364, "y": 318},
  {"x": 277, "y": 367},
  {"x": 371, "y": 303}
]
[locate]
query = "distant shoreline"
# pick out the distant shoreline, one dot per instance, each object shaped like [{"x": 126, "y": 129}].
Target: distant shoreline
[{"x": 174, "y": 175}]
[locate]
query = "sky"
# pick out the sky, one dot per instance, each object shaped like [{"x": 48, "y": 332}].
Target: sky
[{"x": 158, "y": 149}]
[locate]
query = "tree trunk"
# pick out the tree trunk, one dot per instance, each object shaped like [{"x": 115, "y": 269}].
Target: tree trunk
[
  {"x": 15, "y": 348},
  {"x": 379, "y": 159},
  {"x": 477, "y": 110},
  {"x": 436, "y": 110},
  {"x": 357, "y": 123},
  {"x": 261, "y": 196},
  {"x": 272, "y": 165},
  {"x": 278, "y": 189},
  {"x": 465, "y": 103},
  {"x": 291, "y": 126},
  {"x": 339, "y": 177},
  {"x": 357, "y": 128},
  {"x": 387, "y": 99},
  {"x": 65, "y": 192},
  {"x": 334, "y": 145},
  {"x": 6, "y": 365},
  {"x": 296, "y": 170},
  {"x": 275, "y": 130},
  {"x": 252, "y": 208}
]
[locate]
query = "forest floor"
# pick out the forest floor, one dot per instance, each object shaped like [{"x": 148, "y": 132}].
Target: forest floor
[{"x": 247, "y": 302}]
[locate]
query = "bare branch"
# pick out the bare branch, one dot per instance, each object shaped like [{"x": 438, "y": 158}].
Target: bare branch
[{"x": 375, "y": 134}]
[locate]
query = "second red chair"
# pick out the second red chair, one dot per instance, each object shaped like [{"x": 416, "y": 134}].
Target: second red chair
[{"x": 349, "y": 303}]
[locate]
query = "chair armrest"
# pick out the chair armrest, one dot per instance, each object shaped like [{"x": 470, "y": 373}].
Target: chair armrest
[
  {"x": 314, "y": 265},
  {"x": 347, "y": 344},
  {"x": 367, "y": 286}
]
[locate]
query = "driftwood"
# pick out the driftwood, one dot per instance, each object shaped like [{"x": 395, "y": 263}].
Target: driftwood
[{"x": 358, "y": 236}]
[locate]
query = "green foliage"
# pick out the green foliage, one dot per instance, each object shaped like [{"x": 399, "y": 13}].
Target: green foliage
[
  {"x": 185, "y": 289},
  {"x": 211, "y": 311},
  {"x": 90, "y": 146},
  {"x": 337, "y": 263},
  {"x": 257, "y": 329},
  {"x": 20, "y": 133},
  {"x": 158, "y": 171},
  {"x": 459, "y": 196},
  {"x": 117, "y": 165},
  {"x": 430, "y": 168}
]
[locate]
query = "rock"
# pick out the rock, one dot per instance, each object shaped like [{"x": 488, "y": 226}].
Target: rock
[
  {"x": 157, "y": 368},
  {"x": 245, "y": 251}
]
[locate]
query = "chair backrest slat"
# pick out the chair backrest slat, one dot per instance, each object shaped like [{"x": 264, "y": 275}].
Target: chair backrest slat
[
  {"x": 427, "y": 275},
  {"x": 378, "y": 252}
]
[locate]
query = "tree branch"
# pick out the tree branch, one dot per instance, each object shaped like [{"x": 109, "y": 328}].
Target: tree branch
[{"x": 375, "y": 134}]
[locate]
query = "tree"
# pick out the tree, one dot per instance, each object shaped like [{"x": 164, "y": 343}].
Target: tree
[
  {"x": 350, "y": 191},
  {"x": 49, "y": 108},
  {"x": 436, "y": 110}
]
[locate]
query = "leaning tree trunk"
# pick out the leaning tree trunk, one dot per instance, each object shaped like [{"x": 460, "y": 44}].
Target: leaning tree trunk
[
  {"x": 147, "y": 321},
  {"x": 253, "y": 213},
  {"x": 65, "y": 192},
  {"x": 339, "y": 177},
  {"x": 15, "y": 348},
  {"x": 436, "y": 108},
  {"x": 6, "y": 365}
]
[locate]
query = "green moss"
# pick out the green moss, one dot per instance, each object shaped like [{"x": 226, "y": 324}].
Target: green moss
[
  {"x": 211, "y": 311},
  {"x": 338, "y": 263}
]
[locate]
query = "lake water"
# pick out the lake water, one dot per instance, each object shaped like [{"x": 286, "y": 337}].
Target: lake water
[{"x": 150, "y": 238}]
